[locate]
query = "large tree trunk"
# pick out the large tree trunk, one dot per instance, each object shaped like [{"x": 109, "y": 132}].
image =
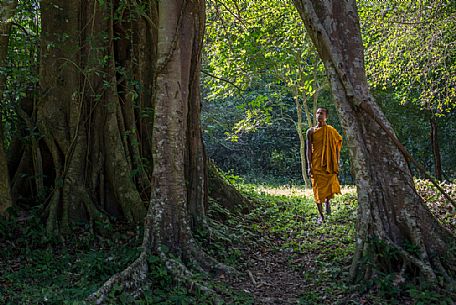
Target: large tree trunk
[
  {"x": 179, "y": 198},
  {"x": 7, "y": 10},
  {"x": 169, "y": 200},
  {"x": 97, "y": 78},
  {"x": 436, "y": 148},
  {"x": 391, "y": 214},
  {"x": 179, "y": 186}
]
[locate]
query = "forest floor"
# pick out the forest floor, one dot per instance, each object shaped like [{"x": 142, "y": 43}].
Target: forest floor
[
  {"x": 297, "y": 259},
  {"x": 283, "y": 255},
  {"x": 288, "y": 257}
]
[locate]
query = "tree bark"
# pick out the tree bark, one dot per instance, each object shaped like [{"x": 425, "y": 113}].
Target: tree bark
[
  {"x": 317, "y": 89},
  {"x": 179, "y": 198},
  {"x": 299, "y": 90},
  {"x": 7, "y": 11},
  {"x": 196, "y": 171},
  {"x": 436, "y": 148},
  {"x": 5, "y": 191},
  {"x": 169, "y": 137},
  {"x": 302, "y": 140},
  {"x": 97, "y": 80},
  {"x": 179, "y": 185},
  {"x": 391, "y": 214}
]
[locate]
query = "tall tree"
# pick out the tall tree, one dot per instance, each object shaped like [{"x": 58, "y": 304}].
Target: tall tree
[
  {"x": 179, "y": 185},
  {"x": 391, "y": 214},
  {"x": 7, "y": 10}
]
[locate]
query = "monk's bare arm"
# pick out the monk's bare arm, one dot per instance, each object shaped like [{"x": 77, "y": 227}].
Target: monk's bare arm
[{"x": 309, "y": 150}]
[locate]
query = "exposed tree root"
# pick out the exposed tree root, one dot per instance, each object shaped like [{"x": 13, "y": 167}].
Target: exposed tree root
[
  {"x": 184, "y": 276},
  {"x": 422, "y": 260},
  {"x": 52, "y": 223},
  {"x": 431, "y": 269},
  {"x": 133, "y": 279}
]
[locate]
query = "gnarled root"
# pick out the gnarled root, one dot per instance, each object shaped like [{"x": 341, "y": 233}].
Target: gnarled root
[
  {"x": 185, "y": 277},
  {"x": 131, "y": 279},
  {"x": 134, "y": 277}
]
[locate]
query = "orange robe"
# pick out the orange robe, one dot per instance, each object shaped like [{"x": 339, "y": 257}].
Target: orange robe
[{"x": 326, "y": 146}]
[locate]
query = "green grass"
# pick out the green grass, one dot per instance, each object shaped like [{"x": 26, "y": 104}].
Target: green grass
[
  {"x": 326, "y": 248},
  {"x": 38, "y": 269},
  {"x": 324, "y": 252}
]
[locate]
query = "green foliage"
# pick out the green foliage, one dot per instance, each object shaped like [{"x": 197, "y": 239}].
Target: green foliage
[
  {"x": 257, "y": 61},
  {"x": 427, "y": 295},
  {"x": 410, "y": 61},
  {"x": 287, "y": 224},
  {"x": 161, "y": 290},
  {"x": 268, "y": 154},
  {"x": 40, "y": 269},
  {"x": 22, "y": 64},
  {"x": 437, "y": 203},
  {"x": 410, "y": 47},
  {"x": 323, "y": 252},
  {"x": 224, "y": 240},
  {"x": 257, "y": 56},
  {"x": 260, "y": 44}
]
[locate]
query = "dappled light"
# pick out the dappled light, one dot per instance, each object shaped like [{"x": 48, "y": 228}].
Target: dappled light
[{"x": 296, "y": 190}]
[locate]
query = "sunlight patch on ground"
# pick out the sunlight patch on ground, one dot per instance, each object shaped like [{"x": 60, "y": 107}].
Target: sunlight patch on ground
[{"x": 295, "y": 190}]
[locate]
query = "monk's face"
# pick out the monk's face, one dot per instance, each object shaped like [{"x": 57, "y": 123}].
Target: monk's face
[{"x": 321, "y": 115}]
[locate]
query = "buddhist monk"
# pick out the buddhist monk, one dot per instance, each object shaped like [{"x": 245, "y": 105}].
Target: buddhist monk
[{"x": 323, "y": 146}]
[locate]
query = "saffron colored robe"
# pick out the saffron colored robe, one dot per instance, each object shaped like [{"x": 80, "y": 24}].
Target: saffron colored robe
[{"x": 326, "y": 146}]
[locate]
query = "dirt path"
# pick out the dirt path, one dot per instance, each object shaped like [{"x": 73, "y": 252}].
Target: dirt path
[
  {"x": 287, "y": 257},
  {"x": 270, "y": 277}
]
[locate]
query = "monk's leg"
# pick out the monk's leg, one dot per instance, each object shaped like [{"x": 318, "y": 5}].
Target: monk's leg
[
  {"x": 320, "y": 210},
  {"x": 328, "y": 207}
]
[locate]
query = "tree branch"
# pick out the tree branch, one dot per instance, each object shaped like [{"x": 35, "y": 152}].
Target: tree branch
[{"x": 224, "y": 80}]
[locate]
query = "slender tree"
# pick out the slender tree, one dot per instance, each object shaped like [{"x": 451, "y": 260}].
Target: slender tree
[
  {"x": 391, "y": 214},
  {"x": 7, "y": 10}
]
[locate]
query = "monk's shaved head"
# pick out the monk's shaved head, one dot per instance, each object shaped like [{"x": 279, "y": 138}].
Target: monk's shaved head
[{"x": 325, "y": 109}]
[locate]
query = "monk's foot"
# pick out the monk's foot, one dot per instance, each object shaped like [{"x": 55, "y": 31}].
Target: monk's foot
[
  {"x": 328, "y": 209},
  {"x": 320, "y": 220}
]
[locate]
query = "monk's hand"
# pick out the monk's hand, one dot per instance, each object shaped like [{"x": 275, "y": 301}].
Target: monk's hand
[{"x": 309, "y": 172}]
